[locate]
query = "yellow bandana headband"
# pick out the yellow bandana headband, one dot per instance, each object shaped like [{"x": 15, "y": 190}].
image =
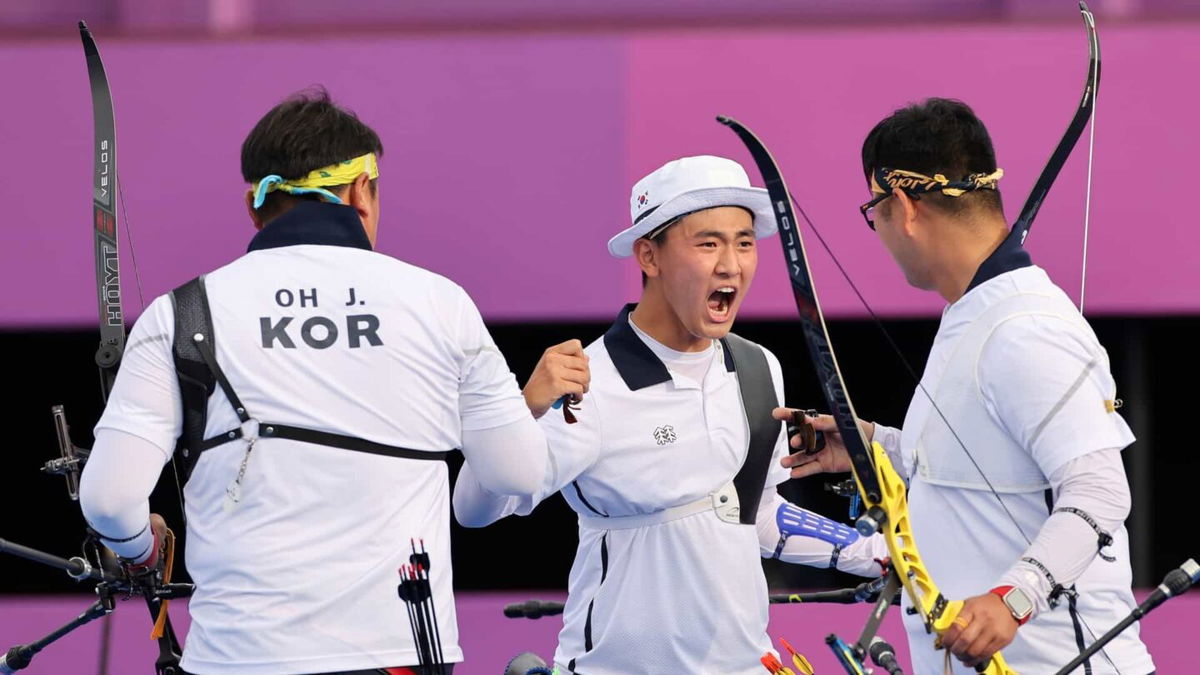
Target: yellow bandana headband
[
  {"x": 342, "y": 173},
  {"x": 911, "y": 181}
]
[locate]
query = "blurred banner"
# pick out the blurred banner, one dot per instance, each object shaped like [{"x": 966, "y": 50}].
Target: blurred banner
[{"x": 510, "y": 153}]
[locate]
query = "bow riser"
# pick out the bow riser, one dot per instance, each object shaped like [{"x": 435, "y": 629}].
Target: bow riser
[{"x": 938, "y": 612}]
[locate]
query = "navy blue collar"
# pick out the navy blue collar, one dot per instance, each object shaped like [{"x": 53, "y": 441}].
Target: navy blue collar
[
  {"x": 1009, "y": 255},
  {"x": 318, "y": 223},
  {"x": 635, "y": 361}
]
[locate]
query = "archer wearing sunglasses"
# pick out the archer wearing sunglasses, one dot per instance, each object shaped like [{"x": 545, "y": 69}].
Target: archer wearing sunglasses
[{"x": 1011, "y": 446}]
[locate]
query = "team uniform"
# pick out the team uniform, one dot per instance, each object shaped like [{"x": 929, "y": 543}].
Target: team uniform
[
  {"x": 664, "y": 580},
  {"x": 1025, "y": 385},
  {"x": 672, "y": 467},
  {"x": 294, "y": 546}
]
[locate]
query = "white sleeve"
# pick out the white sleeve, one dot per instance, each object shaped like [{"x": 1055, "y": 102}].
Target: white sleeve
[
  {"x": 488, "y": 395},
  {"x": 145, "y": 400},
  {"x": 889, "y": 438},
  {"x": 114, "y": 491},
  {"x": 511, "y": 459},
  {"x": 567, "y": 450},
  {"x": 502, "y": 464},
  {"x": 475, "y": 505},
  {"x": 858, "y": 557},
  {"x": 1094, "y": 486}
]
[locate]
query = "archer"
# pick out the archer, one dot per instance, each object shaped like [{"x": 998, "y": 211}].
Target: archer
[{"x": 1017, "y": 375}]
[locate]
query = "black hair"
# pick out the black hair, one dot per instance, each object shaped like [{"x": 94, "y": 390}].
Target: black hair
[
  {"x": 937, "y": 135},
  {"x": 305, "y": 132}
]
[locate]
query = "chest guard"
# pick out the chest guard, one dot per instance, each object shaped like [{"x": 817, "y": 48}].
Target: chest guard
[{"x": 960, "y": 398}]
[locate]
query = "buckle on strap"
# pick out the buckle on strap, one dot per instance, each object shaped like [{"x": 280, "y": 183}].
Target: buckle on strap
[
  {"x": 249, "y": 430},
  {"x": 726, "y": 505}
]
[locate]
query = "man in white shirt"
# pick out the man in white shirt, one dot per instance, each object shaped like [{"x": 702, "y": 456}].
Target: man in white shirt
[
  {"x": 1016, "y": 488},
  {"x": 674, "y": 484},
  {"x": 314, "y": 386}
]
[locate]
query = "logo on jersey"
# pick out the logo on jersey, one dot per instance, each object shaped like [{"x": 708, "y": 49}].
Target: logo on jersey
[{"x": 664, "y": 435}]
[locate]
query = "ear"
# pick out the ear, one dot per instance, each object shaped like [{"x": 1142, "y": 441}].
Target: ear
[
  {"x": 254, "y": 216},
  {"x": 906, "y": 211},
  {"x": 358, "y": 195},
  {"x": 646, "y": 253}
]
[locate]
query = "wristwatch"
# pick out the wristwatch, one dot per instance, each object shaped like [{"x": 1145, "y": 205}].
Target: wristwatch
[{"x": 1016, "y": 601}]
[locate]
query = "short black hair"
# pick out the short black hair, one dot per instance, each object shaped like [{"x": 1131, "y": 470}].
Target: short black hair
[
  {"x": 305, "y": 132},
  {"x": 937, "y": 135}
]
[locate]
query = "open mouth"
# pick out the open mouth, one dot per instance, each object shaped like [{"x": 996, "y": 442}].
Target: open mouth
[{"x": 720, "y": 303}]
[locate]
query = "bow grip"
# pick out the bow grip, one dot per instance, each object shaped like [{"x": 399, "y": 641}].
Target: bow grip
[{"x": 995, "y": 666}]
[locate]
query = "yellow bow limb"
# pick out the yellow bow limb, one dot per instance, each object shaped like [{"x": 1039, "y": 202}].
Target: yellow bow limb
[{"x": 938, "y": 612}]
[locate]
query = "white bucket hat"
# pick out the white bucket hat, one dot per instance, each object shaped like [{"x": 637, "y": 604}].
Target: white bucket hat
[{"x": 690, "y": 184}]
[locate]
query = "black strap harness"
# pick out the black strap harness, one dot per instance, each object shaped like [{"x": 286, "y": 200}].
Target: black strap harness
[
  {"x": 194, "y": 352},
  {"x": 758, "y": 399}
]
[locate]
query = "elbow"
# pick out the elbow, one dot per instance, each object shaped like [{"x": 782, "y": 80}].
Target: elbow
[
  {"x": 474, "y": 508},
  {"x": 96, "y": 503},
  {"x": 510, "y": 461},
  {"x": 104, "y": 511},
  {"x": 515, "y": 479},
  {"x": 473, "y": 513},
  {"x": 511, "y": 483},
  {"x": 1122, "y": 502},
  {"x": 768, "y": 537},
  {"x": 471, "y": 521}
]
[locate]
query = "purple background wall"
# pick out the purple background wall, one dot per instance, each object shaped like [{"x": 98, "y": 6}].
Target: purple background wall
[
  {"x": 263, "y": 16},
  {"x": 510, "y": 154},
  {"x": 813, "y": 96},
  {"x": 489, "y": 640}
]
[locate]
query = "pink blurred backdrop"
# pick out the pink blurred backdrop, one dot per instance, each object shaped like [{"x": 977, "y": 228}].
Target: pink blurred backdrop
[{"x": 510, "y": 152}]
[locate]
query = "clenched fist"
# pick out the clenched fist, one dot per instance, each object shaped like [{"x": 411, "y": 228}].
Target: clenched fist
[{"x": 562, "y": 371}]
